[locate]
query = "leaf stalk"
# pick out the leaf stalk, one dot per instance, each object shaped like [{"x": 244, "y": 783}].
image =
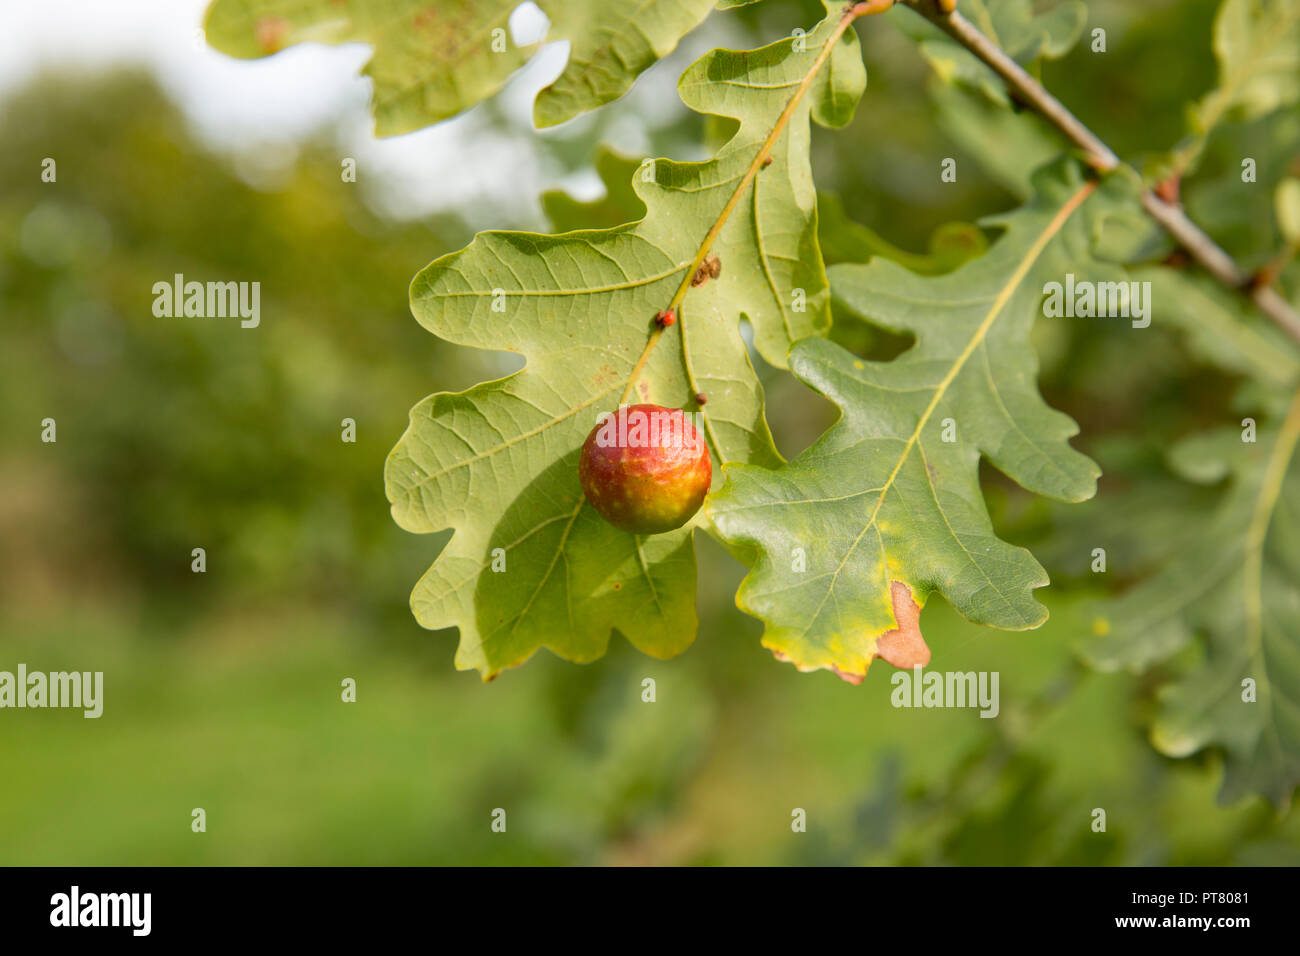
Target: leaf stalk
[{"x": 851, "y": 13}]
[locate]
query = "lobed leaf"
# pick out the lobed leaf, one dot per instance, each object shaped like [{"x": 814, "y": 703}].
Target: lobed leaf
[
  {"x": 856, "y": 532},
  {"x": 498, "y": 463}
]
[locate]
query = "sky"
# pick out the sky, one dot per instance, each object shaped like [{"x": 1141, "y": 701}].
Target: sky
[{"x": 255, "y": 110}]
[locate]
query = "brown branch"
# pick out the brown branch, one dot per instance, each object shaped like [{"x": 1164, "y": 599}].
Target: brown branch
[{"x": 1190, "y": 236}]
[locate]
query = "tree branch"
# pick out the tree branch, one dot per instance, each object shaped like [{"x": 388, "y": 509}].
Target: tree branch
[{"x": 1202, "y": 248}]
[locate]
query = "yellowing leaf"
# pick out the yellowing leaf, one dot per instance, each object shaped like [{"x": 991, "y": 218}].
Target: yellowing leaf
[{"x": 887, "y": 504}]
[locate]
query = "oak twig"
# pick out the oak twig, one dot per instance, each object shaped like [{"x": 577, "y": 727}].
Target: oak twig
[{"x": 1169, "y": 215}]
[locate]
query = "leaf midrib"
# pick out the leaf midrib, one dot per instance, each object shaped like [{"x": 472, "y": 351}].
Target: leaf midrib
[{"x": 999, "y": 303}]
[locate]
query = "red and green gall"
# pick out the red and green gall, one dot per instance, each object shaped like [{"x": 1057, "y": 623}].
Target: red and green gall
[{"x": 645, "y": 469}]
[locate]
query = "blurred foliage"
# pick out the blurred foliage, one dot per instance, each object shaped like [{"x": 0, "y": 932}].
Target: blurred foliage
[{"x": 222, "y": 689}]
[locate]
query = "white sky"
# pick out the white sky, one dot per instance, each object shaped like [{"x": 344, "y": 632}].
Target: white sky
[{"x": 274, "y": 101}]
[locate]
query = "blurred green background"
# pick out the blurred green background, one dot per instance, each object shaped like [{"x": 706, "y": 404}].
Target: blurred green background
[{"x": 223, "y": 689}]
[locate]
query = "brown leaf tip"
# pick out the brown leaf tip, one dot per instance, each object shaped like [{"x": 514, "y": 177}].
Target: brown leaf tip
[
  {"x": 854, "y": 679},
  {"x": 904, "y": 647}
]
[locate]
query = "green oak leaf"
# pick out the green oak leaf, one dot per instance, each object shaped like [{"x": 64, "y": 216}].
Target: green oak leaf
[
  {"x": 498, "y": 463},
  {"x": 611, "y": 44},
  {"x": 1238, "y": 585},
  {"x": 435, "y": 58},
  {"x": 856, "y": 532}
]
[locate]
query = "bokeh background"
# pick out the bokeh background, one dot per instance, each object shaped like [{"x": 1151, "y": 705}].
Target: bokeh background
[{"x": 223, "y": 688}]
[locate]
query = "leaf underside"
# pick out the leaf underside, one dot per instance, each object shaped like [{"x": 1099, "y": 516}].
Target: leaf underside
[{"x": 498, "y": 463}]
